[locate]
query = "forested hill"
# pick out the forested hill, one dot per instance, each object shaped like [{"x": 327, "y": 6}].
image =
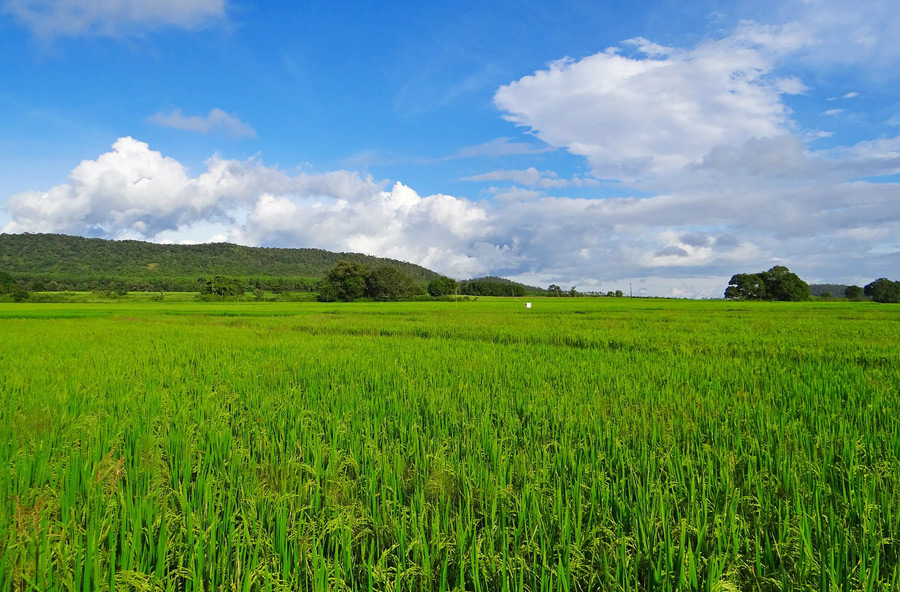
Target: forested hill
[{"x": 89, "y": 263}]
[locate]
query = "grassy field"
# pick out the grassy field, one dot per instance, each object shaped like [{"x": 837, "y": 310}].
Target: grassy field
[{"x": 585, "y": 444}]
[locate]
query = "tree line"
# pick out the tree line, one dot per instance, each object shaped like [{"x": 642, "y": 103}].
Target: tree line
[
  {"x": 62, "y": 283},
  {"x": 350, "y": 280},
  {"x": 347, "y": 281},
  {"x": 780, "y": 283}
]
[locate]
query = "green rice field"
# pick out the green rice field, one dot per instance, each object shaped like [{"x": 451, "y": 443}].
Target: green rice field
[{"x": 584, "y": 444}]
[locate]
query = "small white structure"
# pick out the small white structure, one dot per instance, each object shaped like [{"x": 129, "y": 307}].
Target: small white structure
[{"x": 527, "y": 305}]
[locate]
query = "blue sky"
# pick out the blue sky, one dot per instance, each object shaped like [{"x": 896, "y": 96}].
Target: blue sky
[{"x": 663, "y": 144}]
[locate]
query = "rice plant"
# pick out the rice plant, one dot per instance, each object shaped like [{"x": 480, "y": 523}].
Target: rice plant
[{"x": 585, "y": 444}]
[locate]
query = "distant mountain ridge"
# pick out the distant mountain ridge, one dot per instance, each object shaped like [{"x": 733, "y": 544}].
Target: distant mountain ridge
[
  {"x": 836, "y": 290},
  {"x": 80, "y": 263}
]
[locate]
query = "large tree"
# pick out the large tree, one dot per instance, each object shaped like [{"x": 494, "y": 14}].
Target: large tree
[
  {"x": 223, "y": 285},
  {"x": 390, "y": 283},
  {"x": 6, "y": 282},
  {"x": 778, "y": 283},
  {"x": 746, "y": 286},
  {"x": 442, "y": 286},
  {"x": 782, "y": 284},
  {"x": 883, "y": 290},
  {"x": 344, "y": 281},
  {"x": 853, "y": 293}
]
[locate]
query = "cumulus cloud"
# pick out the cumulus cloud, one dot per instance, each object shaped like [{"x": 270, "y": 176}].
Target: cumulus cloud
[
  {"x": 707, "y": 130},
  {"x": 651, "y": 115},
  {"x": 438, "y": 230},
  {"x": 134, "y": 190},
  {"x": 707, "y": 231},
  {"x": 54, "y": 18},
  {"x": 217, "y": 121},
  {"x": 727, "y": 183}
]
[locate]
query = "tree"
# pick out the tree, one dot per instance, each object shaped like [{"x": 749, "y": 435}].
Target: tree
[
  {"x": 572, "y": 292},
  {"x": 390, "y": 283},
  {"x": 746, "y": 286},
  {"x": 554, "y": 290},
  {"x": 344, "y": 281},
  {"x": 853, "y": 293},
  {"x": 490, "y": 286},
  {"x": 782, "y": 284},
  {"x": 6, "y": 283},
  {"x": 19, "y": 293},
  {"x": 883, "y": 290},
  {"x": 778, "y": 283},
  {"x": 442, "y": 286},
  {"x": 620, "y": 294},
  {"x": 222, "y": 286}
]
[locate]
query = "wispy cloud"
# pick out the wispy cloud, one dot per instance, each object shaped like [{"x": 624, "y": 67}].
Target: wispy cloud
[
  {"x": 499, "y": 147},
  {"x": 534, "y": 178},
  {"x": 529, "y": 176},
  {"x": 217, "y": 121},
  {"x": 56, "y": 18},
  {"x": 496, "y": 148}
]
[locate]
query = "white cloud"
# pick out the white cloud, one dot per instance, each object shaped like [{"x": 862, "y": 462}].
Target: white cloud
[
  {"x": 644, "y": 117},
  {"x": 708, "y": 129},
  {"x": 135, "y": 191},
  {"x": 851, "y": 95},
  {"x": 832, "y": 112},
  {"x": 54, "y": 18},
  {"x": 740, "y": 208},
  {"x": 438, "y": 230},
  {"x": 511, "y": 194},
  {"x": 217, "y": 121}
]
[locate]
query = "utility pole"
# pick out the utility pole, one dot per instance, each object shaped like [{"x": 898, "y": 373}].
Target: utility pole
[{"x": 630, "y": 291}]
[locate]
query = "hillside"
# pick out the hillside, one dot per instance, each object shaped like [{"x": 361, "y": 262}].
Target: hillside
[
  {"x": 79, "y": 263},
  {"x": 836, "y": 290}
]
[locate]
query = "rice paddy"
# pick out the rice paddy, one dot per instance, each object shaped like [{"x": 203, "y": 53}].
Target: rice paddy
[{"x": 584, "y": 444}]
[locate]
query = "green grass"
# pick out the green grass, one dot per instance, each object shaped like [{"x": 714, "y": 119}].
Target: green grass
[{"x": 585, "y": 444}]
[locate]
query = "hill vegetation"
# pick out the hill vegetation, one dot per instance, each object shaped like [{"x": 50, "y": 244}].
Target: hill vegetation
[
  {"x": 497, "y": 286},
  {"x": 54, "y": 262},
  {"x": 826, "y": 290}
]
